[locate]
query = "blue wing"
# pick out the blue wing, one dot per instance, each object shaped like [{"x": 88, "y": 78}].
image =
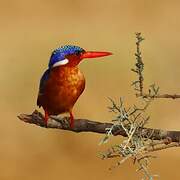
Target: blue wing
[{"x": 42, "y": 84}]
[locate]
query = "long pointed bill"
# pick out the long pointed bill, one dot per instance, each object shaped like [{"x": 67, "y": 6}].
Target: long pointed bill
[{"x": 94, "y": 54}]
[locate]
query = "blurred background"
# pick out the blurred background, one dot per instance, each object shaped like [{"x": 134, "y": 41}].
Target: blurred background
[{"x": 30, "y": 30}]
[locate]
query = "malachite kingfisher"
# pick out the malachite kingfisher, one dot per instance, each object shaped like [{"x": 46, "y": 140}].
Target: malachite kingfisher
[{"x": 62, "y": 83}]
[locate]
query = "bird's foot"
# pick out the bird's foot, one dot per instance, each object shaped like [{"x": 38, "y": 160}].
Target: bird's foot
[
  {"x": 71, "y": 120},
  {"x": 46, "y": 117}
]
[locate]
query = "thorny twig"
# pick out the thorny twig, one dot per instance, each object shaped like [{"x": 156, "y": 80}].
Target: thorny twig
[
  {"x": 136, "y": 146},
  {"x": 138, "y": 84},
  {"x": 139, "y": 66}
]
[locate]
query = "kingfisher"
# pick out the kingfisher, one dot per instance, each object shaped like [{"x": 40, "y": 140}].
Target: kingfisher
[{"x": 62, "y": 83}]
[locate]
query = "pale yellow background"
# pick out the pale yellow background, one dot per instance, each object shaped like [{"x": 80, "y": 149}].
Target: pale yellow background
[{"x": 30, "y": 30}]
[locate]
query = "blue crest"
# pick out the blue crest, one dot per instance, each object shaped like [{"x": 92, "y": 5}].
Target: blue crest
[{"x": 60, "y": 53}]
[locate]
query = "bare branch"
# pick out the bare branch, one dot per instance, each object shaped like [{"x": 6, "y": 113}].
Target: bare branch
[
  {"x": 139, "y": 66},
  {"x": 85, "y": 125}
]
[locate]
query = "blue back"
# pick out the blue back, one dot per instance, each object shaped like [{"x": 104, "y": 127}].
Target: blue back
[{"x": 43, "y": 80}]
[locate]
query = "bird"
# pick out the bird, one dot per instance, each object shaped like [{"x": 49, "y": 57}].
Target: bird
[{"x": 62, "y": 82}]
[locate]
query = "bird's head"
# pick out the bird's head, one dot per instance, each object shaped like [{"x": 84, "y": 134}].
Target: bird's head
[{"x": 72, "y": 55}]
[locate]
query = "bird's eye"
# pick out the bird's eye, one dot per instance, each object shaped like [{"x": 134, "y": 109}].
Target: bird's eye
[{"x": 77, "y": 53}]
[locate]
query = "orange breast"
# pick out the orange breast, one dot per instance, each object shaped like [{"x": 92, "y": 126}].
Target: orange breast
[{"x": 64, "y": 86}]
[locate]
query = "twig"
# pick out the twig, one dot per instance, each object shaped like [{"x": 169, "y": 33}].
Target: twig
[
  {"x": 170, "y": 96},
  {"x": 164, "y": 146}
]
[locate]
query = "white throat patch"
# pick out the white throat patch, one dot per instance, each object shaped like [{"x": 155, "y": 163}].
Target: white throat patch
[{"x": 60, "y": 63}]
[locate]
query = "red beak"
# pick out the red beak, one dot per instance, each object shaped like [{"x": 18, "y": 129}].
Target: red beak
[{"x": 94, "y": 54}]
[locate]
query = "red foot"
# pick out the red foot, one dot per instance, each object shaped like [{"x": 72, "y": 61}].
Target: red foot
[
  {"x": 71, "y": 120},
  {"x": 46, "y": 117}
]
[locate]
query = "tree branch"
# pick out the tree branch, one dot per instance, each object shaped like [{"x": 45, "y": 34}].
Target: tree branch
[
  {"x": 170, "y": 96},
  {"x": 85, "y": 125}
]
